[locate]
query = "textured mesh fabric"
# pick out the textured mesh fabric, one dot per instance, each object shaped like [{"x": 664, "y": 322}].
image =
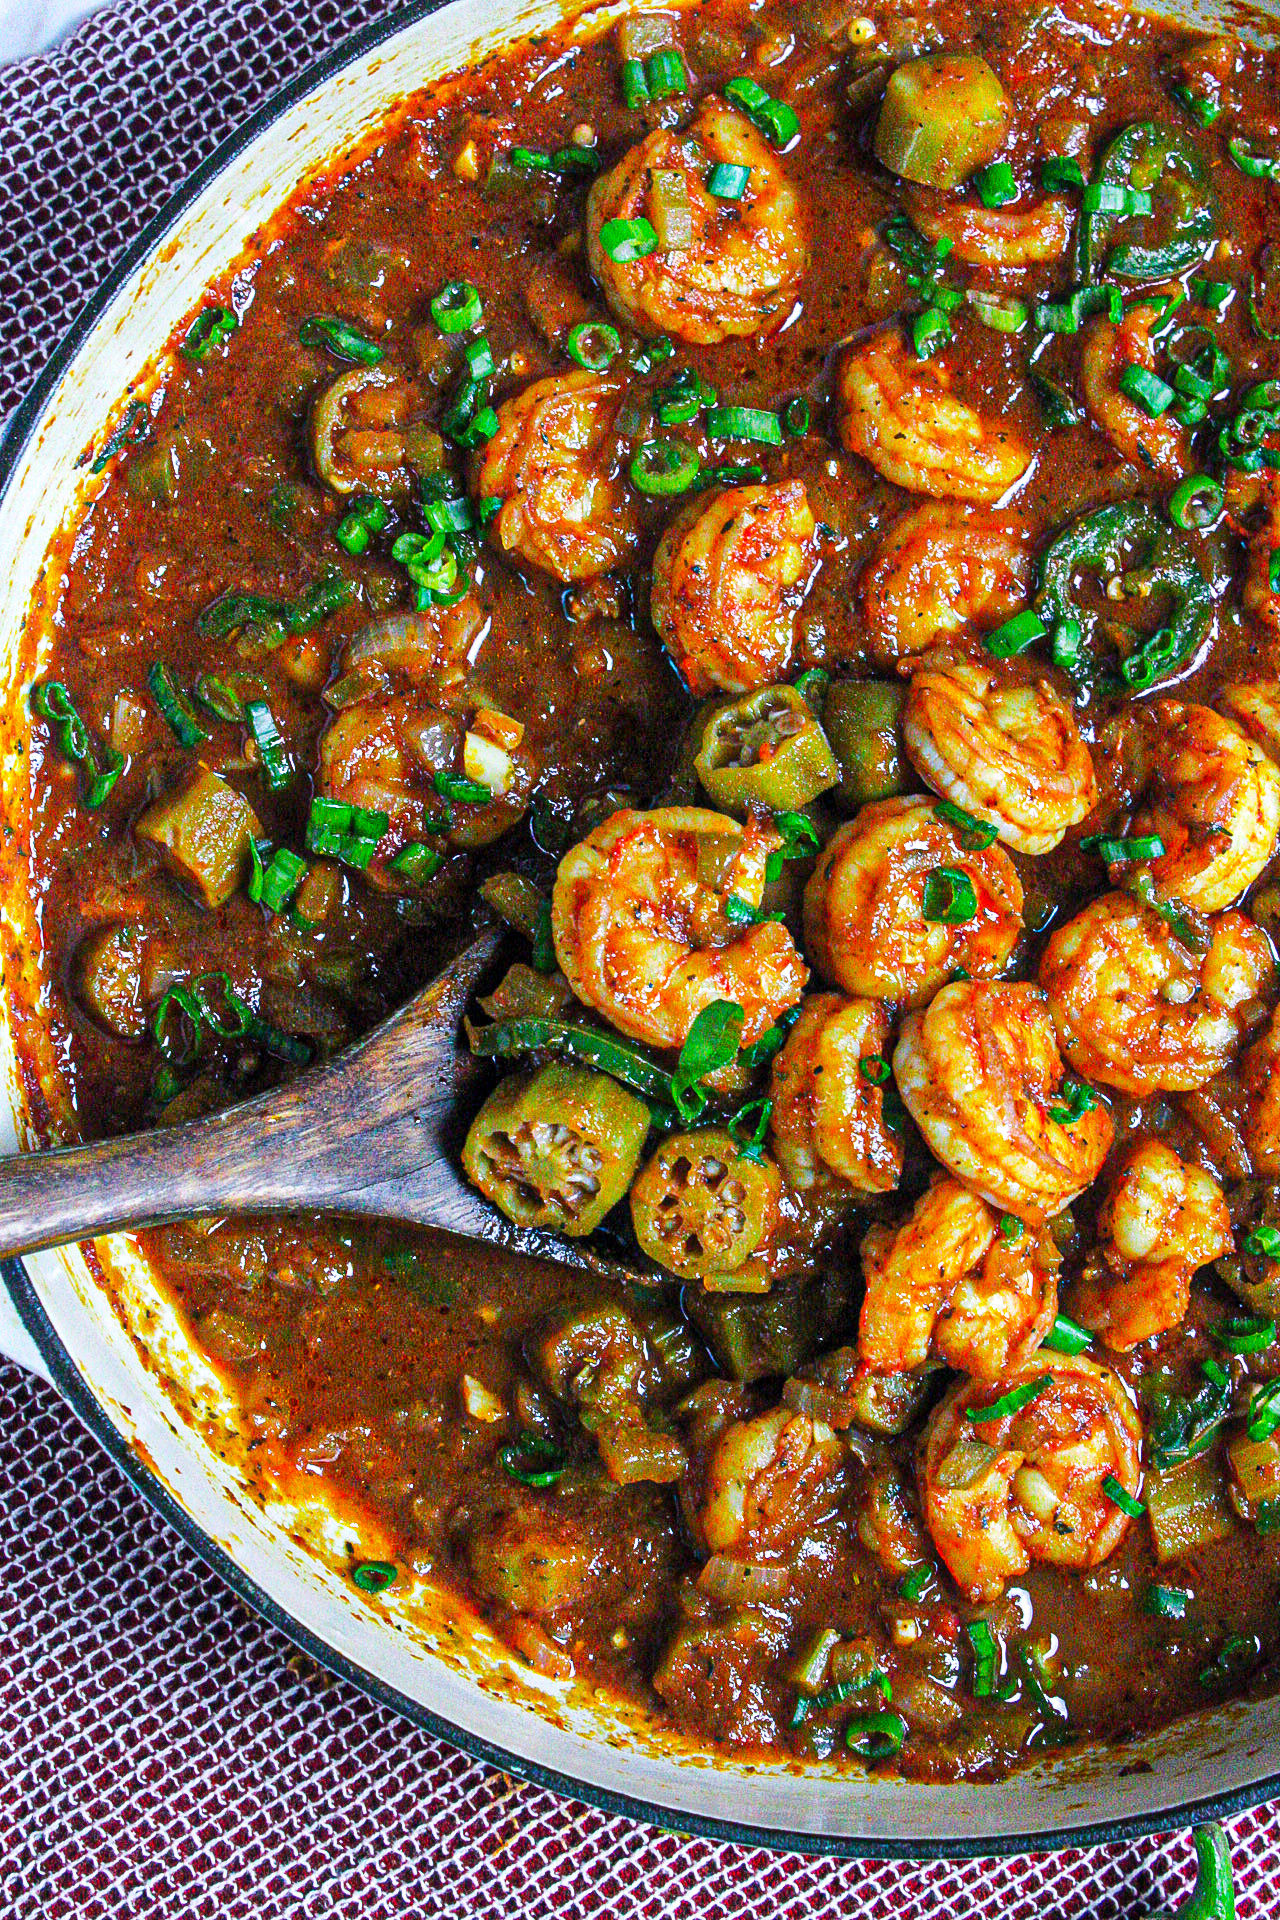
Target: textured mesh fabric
[{"x": 162, "y": 1752}]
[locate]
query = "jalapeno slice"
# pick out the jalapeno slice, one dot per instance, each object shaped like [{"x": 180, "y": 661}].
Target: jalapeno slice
[
  {"x": 765, "y": 749},
  {"x": 1164, "y": 164},
  {"x": 1134, "y": 542},
  {"x": 556, "y": 1148},
  {"x": 861, "y": 719},
  {"x": 701, "y": 1207}
]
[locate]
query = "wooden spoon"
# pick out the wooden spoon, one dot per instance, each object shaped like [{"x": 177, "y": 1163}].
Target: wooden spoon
[{"x": 374, "y": 1131}]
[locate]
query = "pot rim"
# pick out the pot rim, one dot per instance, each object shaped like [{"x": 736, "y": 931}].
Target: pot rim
[{"x": 14, "y": 439}]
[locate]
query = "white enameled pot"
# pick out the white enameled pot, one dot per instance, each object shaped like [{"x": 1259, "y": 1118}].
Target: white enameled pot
[{"x": 97, "y": 1325}]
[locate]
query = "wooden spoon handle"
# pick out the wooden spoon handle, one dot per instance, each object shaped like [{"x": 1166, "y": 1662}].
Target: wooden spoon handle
[{"x": 364, "y": 1133}]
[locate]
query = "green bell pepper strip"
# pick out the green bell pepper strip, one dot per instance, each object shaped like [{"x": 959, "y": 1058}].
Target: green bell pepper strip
[
  {"x": 1097, "y": 543},
  {"x": 1166, "y": 163}
]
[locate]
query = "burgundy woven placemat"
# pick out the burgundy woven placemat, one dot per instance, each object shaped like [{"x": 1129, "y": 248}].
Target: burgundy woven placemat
[{"x": 162, "y": 1752}]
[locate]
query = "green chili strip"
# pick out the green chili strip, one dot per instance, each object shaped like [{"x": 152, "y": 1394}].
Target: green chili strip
[
  {"x": 173, "y": 706},
  {"x": 235, "y": 1019},
  {"x": 530, "y": 1033},
  {"x": 210, "y": 328},
  {"x": 131, "y": 432},
  {"x": 99, "y": 768},
  {"x": 345, "y": 342},
  {"x": 533, "y": 1460}
]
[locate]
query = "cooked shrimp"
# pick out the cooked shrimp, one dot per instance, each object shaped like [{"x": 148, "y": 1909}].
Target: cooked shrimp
[
  {"x": 899, "y": 413},
  {"x": 827, "y": 1124},
  {"x": 1157, "y": 446},
  {"x": 1140, "y": 1011},
  {"x": 867, "y": 923},
  {"x": 1260, "y": 1079},
  {"x": 767, "y": 1479},
  {"x": 1160, "y": 1222},
  {"x": 943, "y": 573},
  {"x": 384, "y": 753},
  {"x": 1255, "y": 709},
  {"x": 728, "y": 576},
  {"x": 1214, "y": 804},
  {"x": 555, "y": 464},
  {"x": 951, "y": 1283},
  {"x": 1005, "y": 750},
  {"x": 638, "y": 920},
  {"x": 994, "y": 236},
  {"x": 1027, "y": 1486},
  {"x": 982, "y": 1078},
  {"x": 742, "y": 261}
]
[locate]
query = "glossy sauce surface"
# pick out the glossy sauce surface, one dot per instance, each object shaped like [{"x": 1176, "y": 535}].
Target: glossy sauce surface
[{"x": 401, "y": 1370}]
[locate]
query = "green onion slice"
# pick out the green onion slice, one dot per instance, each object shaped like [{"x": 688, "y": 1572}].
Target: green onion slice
[
  {"x": 1246, "y": 1334},
  {"x": 1067, "y": 1336},
  {"x": 1119, "y": 852},
  {"x": 272, "y": 751},
  {"x": 455, "y": 786},
  {"x": 664, "y": 467},
  {"x": 726, "y": 181},
  {"x": 1147, "y": 390},
  {"x": 1121, "y": 1497},
  {"x": 949, "y": 897},
  {"x": 1166, "y": 1603},
  {"x": 666, "y": 74},
  {"x": 875, "y": 1736},
  {"x": 457, "y": 308},
  {"x": 1264, "y": 1411},
  {"x": 1256, "y": 166},
  {"x": 627, "y": 240},
  {"x": 974, "y": 835},
  {"x": 374, "y": 1576},
  {"x": 593, "y": 345},
  {"x": 1076, "y": 1098},
  {"x": 996, "y": 185},
  {"x": 1010, "y": 1403},
  {"x": 777, "y": 121},
  {"x": 1016, "y": 635},
  {"x": 1196, "y": 502},
  {"x": 745, "y": 423}
]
